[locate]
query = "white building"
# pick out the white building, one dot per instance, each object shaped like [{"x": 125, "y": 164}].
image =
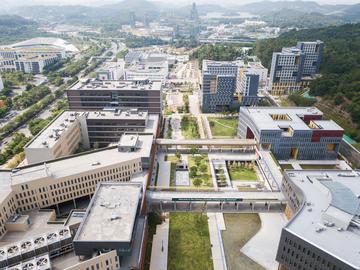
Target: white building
[
  {"x": 111, "y": 71},
  {"x": 153, "y": 66},
  {"x": 1, "y": 84},
  {"x": 31, "y": 56}
]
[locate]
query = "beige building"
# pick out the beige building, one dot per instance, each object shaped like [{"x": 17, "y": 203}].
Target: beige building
[
  {"x": 43, "y": 185},
  {"x": 70, "y": 129},
  {"x": 106, "y": 261}
]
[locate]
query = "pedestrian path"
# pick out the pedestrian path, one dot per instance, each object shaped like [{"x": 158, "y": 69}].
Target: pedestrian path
[
  {"x": 216, "y": 225},
  {"x": 164, "y": 171},
  {"x": 159, "y": 249}
]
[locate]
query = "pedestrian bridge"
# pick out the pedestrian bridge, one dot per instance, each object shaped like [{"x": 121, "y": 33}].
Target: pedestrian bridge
[
  {"x": 234, "y": 145},
  {"x": 226, "y": 201}
]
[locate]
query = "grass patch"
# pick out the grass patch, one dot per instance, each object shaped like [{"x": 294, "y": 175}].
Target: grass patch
[
  {"x": 156, "y": 173},
  {"x": 189, "y": 242},
  {"x": 242, "y": 173},
  {"x": 189, "y": 127},
  {"x": 345, "y": 122},
  {"x": 223, "y": 127},
  {"x": 201, "y": 176},
  {"x": 173, "y": 161},
  {"x": 357, "y": 146},
  {"x": 154, "y": 219},
  {"x": 285, "y": 102},
  {"x": 317, "y": 167},
  {"x": 286, "y": 167},
  {"x": 240, "y": 228}
]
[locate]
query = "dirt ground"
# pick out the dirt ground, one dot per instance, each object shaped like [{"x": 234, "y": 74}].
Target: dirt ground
[{"x": 239, "y": 230}]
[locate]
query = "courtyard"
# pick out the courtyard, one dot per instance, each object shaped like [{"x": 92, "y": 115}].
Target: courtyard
[
  {"x": 242, "y": 171},
  {"x": 223, "y": 127}
]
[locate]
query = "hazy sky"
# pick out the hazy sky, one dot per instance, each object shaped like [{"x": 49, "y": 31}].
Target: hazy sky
[{"x": 99, "y": 2}]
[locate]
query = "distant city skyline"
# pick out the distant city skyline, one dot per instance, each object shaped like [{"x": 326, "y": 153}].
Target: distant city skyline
[{"x": 173, "y": 2}]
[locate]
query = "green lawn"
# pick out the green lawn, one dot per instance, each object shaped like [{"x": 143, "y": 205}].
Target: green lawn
[
  {"x": 189, "y": 128},
  {"x": 242, "y": 173},
  {"x": 223, "y": 127},
  {"x": 174, "y": 160},
  {"x": 189, "y": 242},
  {"x": 154, "y": 219},
  {"x": 240, "y": 228},
  {"x": 200, "y": 161}
]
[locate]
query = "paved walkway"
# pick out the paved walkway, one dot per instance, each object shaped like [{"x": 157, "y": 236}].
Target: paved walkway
[
  {"x": 216, "y": 225},
  {"x": 207, "y": 126},
  {"x": 262, "y": 247},
  {"x": 159, "y": 249},
  {"x": 176, "y": 127},
  {"x": 164, "y": 171},
  {"x": 201, "y": 128}
]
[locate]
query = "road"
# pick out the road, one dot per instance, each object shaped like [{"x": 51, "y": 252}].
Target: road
[{"x": 41, "y": 79}]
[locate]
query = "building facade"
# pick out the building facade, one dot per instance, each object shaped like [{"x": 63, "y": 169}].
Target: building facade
[
  {"x": 249, "y": 87},
  {"x": 218, "y": 89},
  {"x": 286, "y": 71},
  {"x": 294, "y": 67},
  {"x": 313, "y": 51},
  {"x": 323, "y": 232},
  {"x": 97, "y": 95},
  {"x": 291, "y": 133}
]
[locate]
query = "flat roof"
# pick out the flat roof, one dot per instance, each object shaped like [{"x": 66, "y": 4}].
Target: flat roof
[
  {"x": 51, "y": 133},
  {"x": 81, "y": 163},
  {"x": 111, "y": 214},
  {"x": 46, "y": 41},
  {"x": 128, "y": 85},
  {"x": 262, "y": 118},
  {"x": 129, "y": 140},
  {"x": 330, "y": 201}
]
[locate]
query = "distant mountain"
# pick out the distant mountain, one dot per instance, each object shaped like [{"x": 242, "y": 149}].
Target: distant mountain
[
  {"x": 264, "y": 7},
  {"x": 112, "y": 13},
  {"x": 15, "y": 28},
  {"x": 289, "y": 18}
]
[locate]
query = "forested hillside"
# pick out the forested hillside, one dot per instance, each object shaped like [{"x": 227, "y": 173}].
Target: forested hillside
[
  {"x": 340, "y": 69},
  {"x": 15, "y": 28}
]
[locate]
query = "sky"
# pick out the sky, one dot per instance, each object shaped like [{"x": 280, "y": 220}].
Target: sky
[{"x": 99, "y": 2}]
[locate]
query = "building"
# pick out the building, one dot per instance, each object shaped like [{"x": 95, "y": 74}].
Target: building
[
  {"x": 72, "y": 129},
  {"x": 313, "y": 51},
  {"x": 249, "y": 87},
  {"x": 97, "y": 95},
  {"x": 112, "y": 220},
  {"x": 291, "y": 133},
  {"x": 219, "y": 83},
  {"x": 46, "y": 43},
  {"x": 152, "y": 66},
  {"x": 1, "y": 84},
  {"x": 323, "y": 232},
  {"x": 293, "y": 68},
  {"x": 286, "y": 71},
  {"x": 69, "y": 179},
  {"x": 111, "y": 71},
  {"x": 32, "y": 56},
  {"x": 259, "y": 69}
]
